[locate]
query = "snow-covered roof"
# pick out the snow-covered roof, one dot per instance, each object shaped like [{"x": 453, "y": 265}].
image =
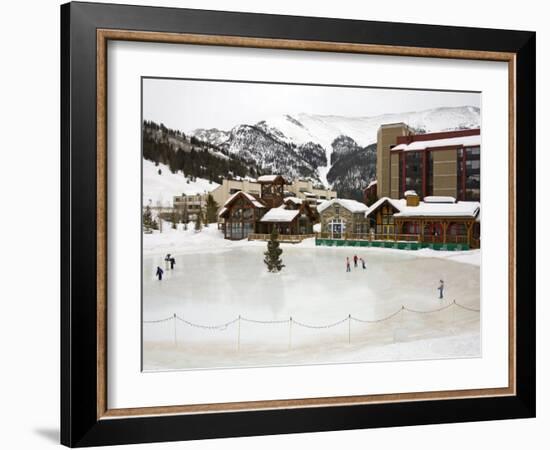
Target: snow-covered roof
[
  {"x": 295, "y": 200},
  {"x": 269, "y": 178},
  {"x": 439, "y": 199},
  {"x": 427, "y": 209},
  {"x": 397, "y": 204},
  {"x": 459, "y": 141},
  {"x": 222, "y": 211},
  {"x": 250, "y": 197},
  {"x": 460, "y": 209},
  {"x": 372, "y": 183},
  {"x": 280, "y": 215},
  {"x": 351, "y": 205}
]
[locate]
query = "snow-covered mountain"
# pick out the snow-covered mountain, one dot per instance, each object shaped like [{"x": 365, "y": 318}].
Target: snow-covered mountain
[{"x": 293, "y": 144}]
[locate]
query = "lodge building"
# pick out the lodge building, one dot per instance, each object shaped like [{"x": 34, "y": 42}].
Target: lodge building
[
  {"x": 342, "y": 217},
  {"x": 245, "y": 214},
  {"x": 302, "y": 189},
  {"x": 433, "y": 164},
  {"x": 439, "y": 220}
]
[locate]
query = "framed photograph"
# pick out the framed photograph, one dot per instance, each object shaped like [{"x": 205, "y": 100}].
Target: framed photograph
[{"x": 277, "y": 224}]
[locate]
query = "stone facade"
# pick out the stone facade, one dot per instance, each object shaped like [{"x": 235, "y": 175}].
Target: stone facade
[{"x": 337, "y": 220}]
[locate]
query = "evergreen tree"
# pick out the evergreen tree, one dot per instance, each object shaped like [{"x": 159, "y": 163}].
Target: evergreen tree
[
  {"x": 174, "y": 219},
  {"x": 211, "y": 209},
  {"x": 198, "y": 221},
  {"x": 273, "y": 254},
  {"x": 148, "y": 222},
  {"x": 147, "y": 218}
]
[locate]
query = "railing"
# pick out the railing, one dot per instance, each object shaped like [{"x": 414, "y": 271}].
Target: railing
[
  {"x": 291, "y": 322},
  {"x": 394, "y": 237},
  {"x": 370, "y": 237},
  {"x": 292, "y": 238}
]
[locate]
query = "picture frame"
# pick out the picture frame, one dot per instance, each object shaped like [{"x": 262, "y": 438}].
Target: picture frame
[{"x": 86, "y": 418}]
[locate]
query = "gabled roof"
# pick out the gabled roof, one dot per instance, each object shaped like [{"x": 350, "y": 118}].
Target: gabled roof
[
  {"x": 397, "y": 204},
  {"x": 257, "y": 202},
  {"x": 245, "y": 195},
  {"x": 429, "y": 209},
  {"x": 280, "y": 215},
  {"x": 351, "y": 205}
]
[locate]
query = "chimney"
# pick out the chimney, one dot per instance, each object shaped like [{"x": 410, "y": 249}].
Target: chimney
[{"x": 412, "y": 198}]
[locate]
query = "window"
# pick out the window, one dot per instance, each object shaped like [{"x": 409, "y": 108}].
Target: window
[
  {"x": 473, "y": 169},
  {"x": 247, "y": 213},
  {"x": 414, "y": 166},
  {"x": 468, "y": 178},
  {"x": 337, "y": 210}
]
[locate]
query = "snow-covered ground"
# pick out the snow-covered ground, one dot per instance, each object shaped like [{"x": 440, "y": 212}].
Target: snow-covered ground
[
  {"x": 159, "y": 189},
  {"x": 216, "y": 280}
]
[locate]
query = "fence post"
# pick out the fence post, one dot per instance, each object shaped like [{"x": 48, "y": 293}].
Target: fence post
[
  {"x": 453, "y": 317},
  {"x": 290, "y": 333},
  {"x": 175, "y": 330},
  {"x": 239, "y": 334},
  {"x": 349, "y": 328}
]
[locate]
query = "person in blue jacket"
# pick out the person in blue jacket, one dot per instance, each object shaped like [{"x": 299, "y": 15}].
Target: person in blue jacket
[{"x": 159, "y": 273}]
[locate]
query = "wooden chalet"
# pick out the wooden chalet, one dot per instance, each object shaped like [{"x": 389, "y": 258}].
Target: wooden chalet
[
  {"x": 434, "y": 220},
  {"x": 292, "y": 217},
  {"x": 240, "y": 213},
  {"x": 249, "y": 216}
]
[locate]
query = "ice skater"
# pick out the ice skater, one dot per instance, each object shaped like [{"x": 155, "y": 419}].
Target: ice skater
[
  {"x": 363, "y": 264},
  {"x": 167, "y": 262},
  {"x": 172, "y": 263},
  {"x": 355, "y": 259},
  {"x": 159, "y": 273},
  {"x": 440, "y": 289},
  {"x": 348, "y": 265}
]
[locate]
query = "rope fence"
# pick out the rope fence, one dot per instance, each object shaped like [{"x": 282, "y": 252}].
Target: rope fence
[{"x": 293, "y": 322}]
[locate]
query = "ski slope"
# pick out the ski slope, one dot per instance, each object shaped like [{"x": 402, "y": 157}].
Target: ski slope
[{"x": 159, "y": 189}]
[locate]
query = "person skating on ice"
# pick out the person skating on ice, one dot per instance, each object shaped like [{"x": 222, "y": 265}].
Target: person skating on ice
[
  {"x": 355, "y": 259},
  {"x": 172, "y": 263},
  {"x": 348, "y": 266},
  {"x": 363, "y": 264},
  {"x": 440, "y": 289},
  {"x": 159, "y": 273},
  {"x": 167, "y": 262}
]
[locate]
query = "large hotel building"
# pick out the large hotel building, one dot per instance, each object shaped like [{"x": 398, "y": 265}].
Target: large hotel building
[{"x": 445, "y": 164}]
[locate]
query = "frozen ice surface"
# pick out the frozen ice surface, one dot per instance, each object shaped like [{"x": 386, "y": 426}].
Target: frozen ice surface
[{"x": 216, "y": 280}]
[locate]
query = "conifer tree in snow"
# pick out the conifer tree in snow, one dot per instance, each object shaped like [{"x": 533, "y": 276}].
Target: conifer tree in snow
[
  {"x": 211, "y": 209},
  {"x": 273, "y": 254},
  {"x": 148, "y": 221},
  {"x": 174, "y": 219},
  {"x": 198, "y": 221}
]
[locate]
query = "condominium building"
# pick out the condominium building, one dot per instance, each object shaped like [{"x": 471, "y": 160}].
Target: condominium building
[
  {"x": 302, "y": 189},
  {"x": 192, "y": 204},
  {"x": 433, "y": 164}
]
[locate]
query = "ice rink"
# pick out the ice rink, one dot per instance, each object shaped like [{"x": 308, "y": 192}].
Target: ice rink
[{"x": 213, "y": 286}]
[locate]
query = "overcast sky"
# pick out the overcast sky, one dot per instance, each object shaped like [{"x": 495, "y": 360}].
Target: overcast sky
[{"x": 190, "y": 104}]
